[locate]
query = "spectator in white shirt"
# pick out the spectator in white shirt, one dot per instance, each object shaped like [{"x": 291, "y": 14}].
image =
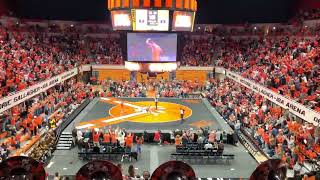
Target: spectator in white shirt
[{"x": 208, "y": 146}]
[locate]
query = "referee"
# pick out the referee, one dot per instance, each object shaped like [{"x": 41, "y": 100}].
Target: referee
[
  {"x": 156, "y": 100},
  {"x": 181, "y": 115}
]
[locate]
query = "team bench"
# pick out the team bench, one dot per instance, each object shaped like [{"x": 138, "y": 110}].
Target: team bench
[
  {"x": 108, "y": 156},
  {"x": 202, "y": 156}
]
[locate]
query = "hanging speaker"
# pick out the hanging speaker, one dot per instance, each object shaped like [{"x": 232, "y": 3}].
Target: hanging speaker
[
  {"x": 174, "y": 170},
  {"x": 99, "y": 170},
  {"x": 273, "y": 169},
  {"x": 21, "y": 167}
]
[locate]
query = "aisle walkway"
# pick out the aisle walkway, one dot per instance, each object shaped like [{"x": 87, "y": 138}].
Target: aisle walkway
[{"x": 66, "y": 162}]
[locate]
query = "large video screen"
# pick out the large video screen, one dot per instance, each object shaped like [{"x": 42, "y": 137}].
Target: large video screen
[
  {"x": 152, "y": 47},
  {"x": 150, "y": 20},
  {"x": 121, "y": 20},
  {"x": 183, "y": 21}
]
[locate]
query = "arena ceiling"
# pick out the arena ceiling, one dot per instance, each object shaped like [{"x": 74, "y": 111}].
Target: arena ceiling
[{"x": 209, "y": 11}]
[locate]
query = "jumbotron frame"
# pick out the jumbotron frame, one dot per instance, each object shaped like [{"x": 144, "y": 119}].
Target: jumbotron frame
[
  {"x": 176, "y": 8},
  {"x": 180, "y": 5}
]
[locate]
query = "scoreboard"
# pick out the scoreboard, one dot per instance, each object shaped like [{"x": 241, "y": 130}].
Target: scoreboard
[
  {"x": 150, "y": 20},
  {"x": 152, "y": 15}
]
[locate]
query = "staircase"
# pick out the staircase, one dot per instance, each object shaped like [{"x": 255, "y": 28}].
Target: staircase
[
  {"x": 65, "y": 141},
  {"x": 252, "y": 149}
]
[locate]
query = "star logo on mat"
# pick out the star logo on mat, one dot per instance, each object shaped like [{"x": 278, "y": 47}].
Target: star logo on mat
[{"x": 139, "y": 110}]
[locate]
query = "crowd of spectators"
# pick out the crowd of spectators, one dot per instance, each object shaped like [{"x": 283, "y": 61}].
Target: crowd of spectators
[
  {"x": 31, "y": 54},
  {"x": 27, "y": 121},
  {"x": 308, "y": 14},
  {"x": 288, "y": 66},
  {"x": 164, "y": 88},
  {"x": 28, "y": 56},
  {"x": 43, "y": 149},
  {"x": 275, "y": 130}
]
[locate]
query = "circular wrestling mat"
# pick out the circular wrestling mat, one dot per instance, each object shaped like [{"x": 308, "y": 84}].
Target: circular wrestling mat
[
  {"x": 166, "y": 112},
  {"x": 137, "y": 112}
]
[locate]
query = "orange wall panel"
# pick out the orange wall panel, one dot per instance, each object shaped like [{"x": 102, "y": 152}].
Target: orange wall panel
[
  {"x": 163, "y": 76},
  {"x": 200, "y": 76},
  {"x": 136, "y": 3},
  {"x": 169, "y": 3},
  {"x": 118, "y": 4},
  {"x": 126, "y": 3},
  {"x": 114, "y": 74},
  {"x": 187, "y": 4},
  {"x": 146, "y": 3},
  {"x": 111, "y": 4},
  {"x": 191, "y": 4},
  {"x": 142, "y": 77},
  {"x": 179, "y": 4},
  {"x": 157, "y": 3}
]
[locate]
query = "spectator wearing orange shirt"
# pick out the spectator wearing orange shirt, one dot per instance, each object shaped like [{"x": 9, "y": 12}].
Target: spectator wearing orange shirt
[
  {"x": 95, "y": 138},
  {"x": 178, "y": 140},
  {"x": 129, "y": 141},
  {"x": 38, "y": 121},
  {"x": 106, "y": 138}
]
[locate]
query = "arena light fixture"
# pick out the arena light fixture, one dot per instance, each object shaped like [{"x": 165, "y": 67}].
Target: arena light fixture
[
  {"x": 122, "y": 20},
  {"x": 163, "y": 67},
  {"x": 132, "y": 66},
  {"x": 183, "y": 21}
]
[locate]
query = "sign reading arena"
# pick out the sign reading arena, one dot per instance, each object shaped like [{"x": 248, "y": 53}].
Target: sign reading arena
[
  {"x": 295, "y": 108},
  {"x": 13, "y": 100},
  {"x": 150, "y": 20}
]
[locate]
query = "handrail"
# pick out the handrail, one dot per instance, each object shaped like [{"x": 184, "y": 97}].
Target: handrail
[{"x": 253, "y": 142}]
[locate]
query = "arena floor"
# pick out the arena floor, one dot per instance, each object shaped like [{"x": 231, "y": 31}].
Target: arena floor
[
  {"x": 134, "y": 116},
  {"x": 66, "y": 162}
]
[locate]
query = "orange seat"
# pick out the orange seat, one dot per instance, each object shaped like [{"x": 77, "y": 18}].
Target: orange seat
[{"x": 3, "y": 135}]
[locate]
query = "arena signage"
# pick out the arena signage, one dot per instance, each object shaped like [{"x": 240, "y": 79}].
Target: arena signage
[
  {"x": 13, "y": 100},
  {"x": 295, "y": 108}
]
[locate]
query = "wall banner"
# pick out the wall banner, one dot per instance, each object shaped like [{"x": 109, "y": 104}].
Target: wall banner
[
  {"x": 294, "y": 107},
  {"x": 21, "y": 96}
]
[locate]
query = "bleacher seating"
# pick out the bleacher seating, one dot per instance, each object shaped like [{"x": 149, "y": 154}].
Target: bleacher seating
[
  {"x": 106, "y": 152},
  {"x": 196, "y": 152}
]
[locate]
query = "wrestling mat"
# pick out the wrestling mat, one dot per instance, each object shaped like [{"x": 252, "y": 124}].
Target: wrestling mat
[{"x": 142, "y": 114}]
